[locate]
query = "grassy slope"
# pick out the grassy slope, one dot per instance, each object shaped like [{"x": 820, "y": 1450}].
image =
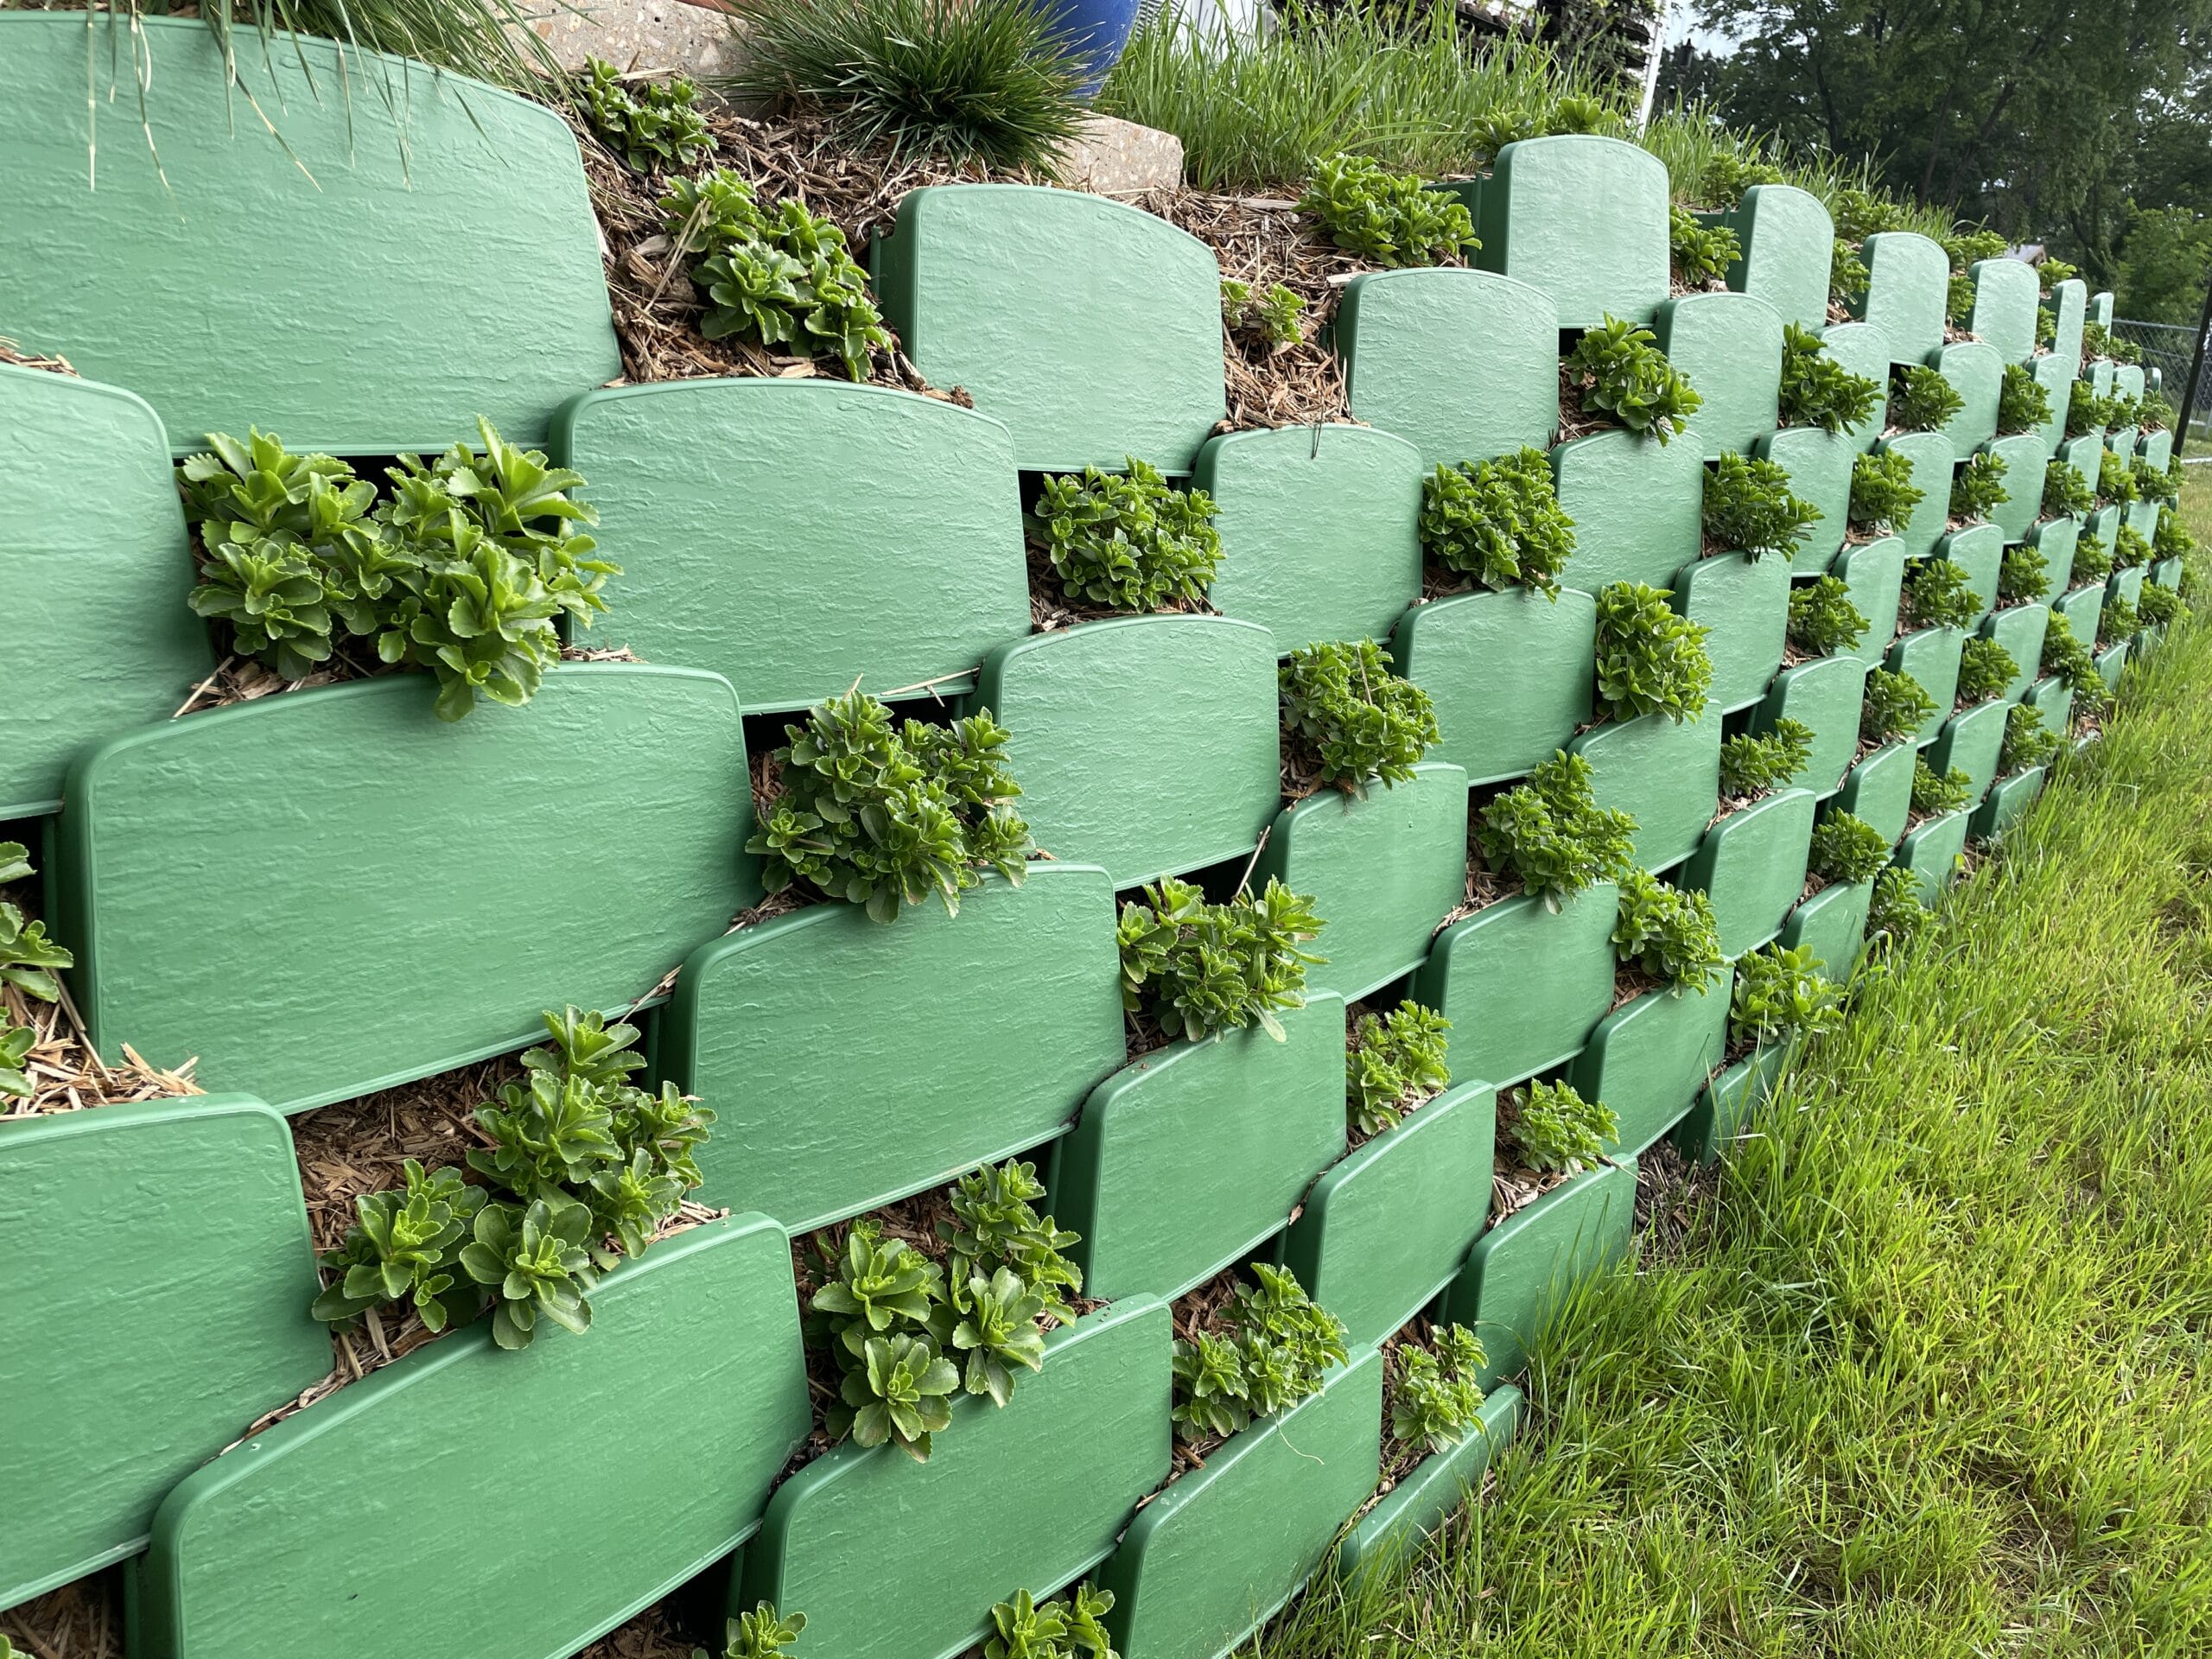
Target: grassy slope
[{"x": 1928, "y": 1378}]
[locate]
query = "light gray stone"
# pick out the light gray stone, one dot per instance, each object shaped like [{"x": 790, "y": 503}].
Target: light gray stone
[
  {"x": 1119, "y": 158},
  {"x": 656, "y": 36}
]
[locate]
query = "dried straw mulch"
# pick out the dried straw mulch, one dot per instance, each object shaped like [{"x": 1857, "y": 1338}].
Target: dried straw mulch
[{"x": 82, "y": 1620}]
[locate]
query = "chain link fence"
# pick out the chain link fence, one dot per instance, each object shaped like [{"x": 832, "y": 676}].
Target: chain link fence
[{"x": 2168, "y": 346}]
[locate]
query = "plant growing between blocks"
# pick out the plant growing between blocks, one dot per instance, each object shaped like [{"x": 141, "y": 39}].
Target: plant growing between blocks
[
  {"x": 1780, "y": 996},
  {"x": 1757, "y": 764},
  {"x": 2023, "y": 400},
  {"x": 2115, "y": 482},
  {"x": 1555, "y": 1130},
  {"x": 29, "y": 960},
  {"x": 1394, "y": 1064},
  {"x": 1883, "y": 494},
  {"x": 2171, "y": 539},
  {"x": 1194, "y": 969},
  {"x": 1937, "y": 596},
  {"x": 2154, "y": 483},
  {"x": 1896, "y": 707},
  {"x": 2066, "y": 492},
  {"x": 1845, "y": 848},
  {"x": 1978, "y": 489},
  {"x": 2028, "y": 741},
  {"x": 1817, "y": 390},
  {"x": 2158, "y": 607},
  {"x": 1249, "y": 1357},
  {"x": 1749, "y": 508},
  {"x": 1346, "y": 718},
  {"x": 1617, "y": 369},
  {"x": 1669, "y": 933},
  {"x": 1550, "y": 836},
  {"x": 1700, "y": 254},
  {"x": 1387, "y": 219},
  {"x": 1823, "y": 621},
  {"x": 2086, "y": 412},
  {"x": 1275, "y": 315},
  {"x": 1985, "y": 668},
  {"x": 2093, "y": 558},
  {"x": 1651, "y": 659},
  {"x": 1923, "y": 400},
  {"x": 1431, "y": 1395},
  {"x": 1497, "y": 522},
  {"x": 2129, "y": 550},
  {"x": 761, "y": 1634},
  {"x": 1933, "y": 792},
  {"x": 1027, "y": 1629},
  {"x": 1126, "y": 542},
  {"x": 650, "y": 125},
  {"x": 1895, "y": 916},
  {"x": 2117, "y": 619},
  {"x": 2068, "y": 660}
]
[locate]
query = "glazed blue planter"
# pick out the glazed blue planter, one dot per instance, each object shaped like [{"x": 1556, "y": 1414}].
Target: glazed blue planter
[{"x": 1097, "y": 29}]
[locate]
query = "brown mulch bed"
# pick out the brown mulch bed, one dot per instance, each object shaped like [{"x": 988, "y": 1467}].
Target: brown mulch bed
[
  {"x": 83, "y": 1620},
  {"x": 1513, "y": 1188},
  {"x": 1631, "y": 981},
  {"x": 1196, "y": 1310},
  {"x": 653, "y": 1634},
  {"x": 1484, "y": 888}
]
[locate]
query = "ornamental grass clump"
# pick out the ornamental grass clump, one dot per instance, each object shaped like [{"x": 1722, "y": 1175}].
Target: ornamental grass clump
[
  {"x": 1270, "y": 1350},
  {"x": 1555, "y": 1128},
  {"x": 1822, "y": 619},
  {"x": 1497, "y": 521},
  {"x": 1845, "y": 848},
  {"x": 1348, "y": 719},
  {"x": 650, "y": 125},
  {"x": 1756, "y": 764},
  {"x": 1924, "y": 401},
  {"x": 1386, "y": 218},
  {"x": 1617, "y": 369},
  {"x": 1651, "y": 659},
  {"x": 1978, "y": 489},
  {"x": 1780, "y": 997},
  {"x": 1897, "y": 706},
  {"x": 1435, "y": 1391},
  {"x": 2066, "y": 492},
  {"x": 1818, "y": 391},
  {"x": 1749, "y": 507},
  {"x": 1551, "y": 835},
  {"x": 1393, "y": 1062},
  {"x": 1196, "y": 969},
  {"x": 1701, "y": 254},
  {"x": 1936, "y": 595},
  {"x": 464, "y": 570},
  {"x": 2028, "y": 741},
  {"x": 1883, "y": 494},
  {"x": 1127, "y": 541},
  {"x": 2023, "y": 400},
  {"x": 1985, "y": 668},
  {"x": 1667, "y": 931},
  {"x": 580, "y": 1167},
  {"x": 2067, "y": 660},
  {"x": 883, "y": 815},
  {"x": 1933, "y": 792}
]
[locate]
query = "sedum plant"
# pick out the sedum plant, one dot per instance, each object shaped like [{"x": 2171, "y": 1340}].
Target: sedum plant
[
  {"x": 884, "y": 815},
  {"x": 2066, "y": 492},
  {"x": 1848, "y": 272},
  {"x": 1933, "y": 792},
  {"x": 1822, "y": 619},
  {"x": 1780, "y": 996},
  {"x": 2121, "y": 411},
  {"x": 2129, "y": 549},
  {"x": 2154, "y": 483},
  {"x": 1817, "y": 390},
  {"x": 1895, "y": 916},
  {"x": 2028, "y": 741},
  {"x": 761, "y": 1634},
  {"x": 1027, "y": 1629},
  {"x": 1749, "y": 507},
  {"x": 1393, "y": 1062},
  {"x": 1883, "y": 494},
  {"x": 1897, "y": 706},
  {"x": 2086, "y": 412},
  {"x": 1985, "y": 668},
  {"x": 1728, "y": 174},
  {"x": 2154, "y": 412},
  {"x": 1924, "y": 401},
  {"x": 1754, "y": 764},
  {"x": 2115, "y": 485},
  {"x": 1199, "y": 970},
  {"x": 27, "y": 957},
  {"x": 651, "y": 125},
  {"x": 2050, "y": 273},
  {"x": 1498, "y": 521},
  {"x": 1551, "y": 835},
  {"x": 2066, "y": 658},
  {"x": 1619, "y": 368},
  {"x": 2092, "y": 558},
  {"x": 2171, "y": 540},
  {"x": 1936, "y": 595},
  {"x": 1651, "y": 659},
  {"x": 1275, "y": 314},
  {"x": 1384, "y": 218},
  {"x": 1275, "y": 1348},
  {"x": 1343, "y": 706},
  {"x": 1556, "y": 1128},
  {"x": 1846, "y": 849},
  {"x": 1701, "y": 253},
  {"x": 1128, "y": 541},
  {"x": 2159, "y": 606},
  {"x": 2024, "y": 575},
  {"x": 1978, "y": 489},
  {"x": 1667, "y": 931},
  {"x": 1435, "y": 1392},
  {"x": 16, "y": 1044},
  {"x": 2117, "y": 619},
  {"x": 2022, "y": 402}
]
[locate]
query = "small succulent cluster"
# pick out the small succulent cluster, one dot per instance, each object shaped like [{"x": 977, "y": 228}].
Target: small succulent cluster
[
  {"x": 1551, "y": 835},
  {"x": 1848, "y": 272},
  {"x": 2066, "y": 492},
  {"x": 28, "y": 962},
  {"x": 1128, "y": 541},
  {"x": 1753, "y": 764},
  {"x": 2171, "y": 540},
  {"x": 1883, "y": 494},
  {"x": 1435, "y": 1392},
  {"x": 1393, "y": 1062},
  {"x": 1510, "y": 123},
  {"x": 1964, "y": 250},
  {"x": 1385, "y": 218},
  {"x": 2097, "y": 340},
  {"x": 1618, "y": 369},
  {"x": 906, "y": 1333},
  {"x": 1651, "y": 659},
  {"x": 1780, "y": 996},
  {"x": 881, "y": 814},
  {"x": 1199, "y": 970},
  {"x": 465, "y": 568},
  {"x": 2115, "y": 485},
  {"x": 1924, "y": 400},
  {"x": 1701, "y": 253},
  {"x": 2157, "y": 484},
  {"x": 1822, "y": 619},
  {"x": 1897, "y": 706},
  {"x": 1985, "y": 668},
  {"x": 1978, "y": 488},
  {"x": 782, "y": 278},
  {"x": 1275, "y": 316},
  {"x": 1936, "y": 595},
  {"x": 2086, "y": 412},
  {"x": 2022, "y": 402},
  {"x": 1556, "y": 1128},
  {"x": 1498, "y": 521},
  {"x": 2154, "y": 412},
  {"x": 650, "y": 125},
  {"x": 761, "y": 1634},
  {"x": 2028, "y": 741},
  {"x": 1749, "y": 508},
  {"x": 581, "y": 1168},
  {"x": 1667, "y": 931},
  {"x": 2092, "y": 558},
  {"x": 1846, "y": 849},
  {"x": 1344, "y": 709},
  {"x": 1729, "y": 174},
  {"x": 2159, "y": 606},
  {"x": 1816, "y": 390},
  {"x": 2024, "y": 574},
  {"x": 2129, "y": 549},
  {"x": 2117, "y": 619},
  {"x": 1272, "y": 1347},
  {"x": 1933, "y": 792},
  {"x": 1026, "y": 1628}
]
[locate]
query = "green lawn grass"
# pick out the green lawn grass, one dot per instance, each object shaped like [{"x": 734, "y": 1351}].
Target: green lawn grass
[{"x": 1927, "y": 1376}]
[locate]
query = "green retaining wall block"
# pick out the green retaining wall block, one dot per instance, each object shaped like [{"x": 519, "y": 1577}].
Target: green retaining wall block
[
  {"x": 1320, "y": 530},
  {"x": 1147, "y": 744},
  {"x": 2111, "y": 663},
  {"x": 312, "y": 1538},
  {"x": 2070, "y": 307},
  {"x": 1730, "y": 346},
  {"x": 1976, "y": 372},
  {"x": 1745, "y": 602},
  {"x": 1833, "y": 923},
  {"x": 1874, "y": 573},
  {"x": 1665, "y": 773},
  {"x": 1864, "y": 349},
  {"x": 367, "y": 275},
  {"x": 2121, "y": 440},
  {"x": 1638, "y": 507},
  {"x": 1525, "y": 1267},
  {"x": 2024, "y": 457},
  {"x": 2007, "y": 798},
  {"x": 1211, "y": 1558},
  {"x": 1388, "y": 1225},
  {"x": 1908, "y": 283},
  {"x": 1384, "y": 870},
  {"x": 2105, "y": 523},
  {"x": 1786, "y": 239},
  {"x": 1585, "y": 219},
  {"x": 1511, "y": 674},
  {"x": 2166, "y": 573},
  {"x": 1931, "y": 457},
  {"x": 2055, "y": 699},
  {"x": 1978, "y": 550},
  {"x": 1931, "y": 656},
  {"x": 1752, "y": 865},
  {"x": 1825, "y": 694},
  {"x": 96, "y": 636},
  {"x": 228, "y": 849},
  {"x": 2158, "y": 448},
  {"x": 1931, "y": 852},
  {"x": 2142, "y": 518},
  {"x": 1521, "y": 984},
  {"x": 834, "y": 532},
  {"x": 2128, "y": 379},
  {"x": 1091, "y": 327},
  {"x": 1880, "y": 789},
  {"x": 1726, "y": 1106},
  {"x": 1154, "y": 1219},
  {"x": 2101, "y": 309},
  {"x": 1436, "y": 1489},
  {"x": 1970, "y": 741},
  {"x": 2098, "y": 375},
  {"x": 947, "y": 1070},
  {"x": 890, "y": 1557},
  {"x": 2081, "y": 609},
  {"x": 1819, "y": 465},
  {"x": 182, "y": 1219},
  {"x": 2005, "y": 294},
  {"x": 1647, "y": 1059},
  {"x": 2054, "y": 539},
  {"x": 2019, "y": 629},
  {"x": 1462, "y": 364},
  {"x": 2055, "y": 376},
  {"x": 2126, "y": 584},
  {"x": 2081, "y": 453}
]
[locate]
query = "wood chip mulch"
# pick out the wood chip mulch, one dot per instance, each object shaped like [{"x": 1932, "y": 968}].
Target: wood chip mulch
[
  {"x": 83, "y": 1620},
  {"x": 1513, "y": 1188},
  {"x": 1484, "y": 888},
  {"x": 12, "y": 352},
  {"x": 653, "y": 1634},
  {"x": 1631, "y": 981}
]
